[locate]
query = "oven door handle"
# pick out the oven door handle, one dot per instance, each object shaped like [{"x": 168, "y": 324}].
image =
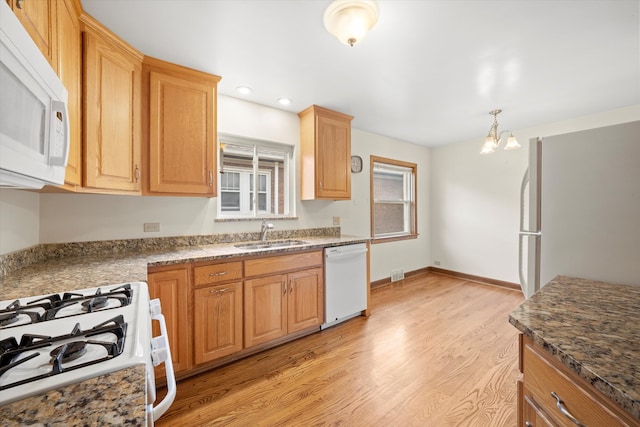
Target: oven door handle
[{"x": 162, "y": 353}]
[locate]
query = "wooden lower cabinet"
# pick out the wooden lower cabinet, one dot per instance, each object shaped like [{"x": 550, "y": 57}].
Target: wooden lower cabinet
[
  {"x": 282, "y": 304},
  {"x": 544, "y": 377},
  {"x": 173, "y": 289},
  {"x": 531, "y": 414},
  {"x": 216, "y": 311},
  {"x": 305, "y": 300},
  {"x": 265, "y": 308},
  {"x": 217, "y": 321}
]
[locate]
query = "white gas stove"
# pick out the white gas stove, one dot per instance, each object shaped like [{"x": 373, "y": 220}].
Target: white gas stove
[{"x": 50, "y": 341}]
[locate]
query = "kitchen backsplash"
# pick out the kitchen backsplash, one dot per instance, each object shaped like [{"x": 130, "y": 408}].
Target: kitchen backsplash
[{"x": 16, "y": 260}]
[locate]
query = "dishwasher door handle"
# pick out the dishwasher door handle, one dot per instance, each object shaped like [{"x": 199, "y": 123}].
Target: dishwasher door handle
[{"x": 347, "y": 254}]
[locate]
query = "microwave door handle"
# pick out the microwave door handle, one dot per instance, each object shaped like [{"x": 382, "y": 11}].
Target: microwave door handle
[{"x": 59, "y": 159}]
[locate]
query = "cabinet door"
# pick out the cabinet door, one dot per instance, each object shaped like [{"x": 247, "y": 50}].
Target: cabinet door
[
  {"x": 534, "y": 416},
  {"x": 333, "y": 158},
  {"x": 217, "y": 321},
  {"x": 305, "y": 300},
  {"x": 265, "y": 308},
  {"x": 69, "y": 70},
  {"x": 172, "y": 288},
  {"x": 39, "y": 19},
  {"x": 112, "y": 115},
  {"x": 181, "y": 135}
]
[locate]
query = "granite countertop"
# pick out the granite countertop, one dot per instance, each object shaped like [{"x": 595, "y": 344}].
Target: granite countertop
[
  {"x": 95, "y": 402},
  {"x": 100, "y": 269},
  {"x": 117, "y": 398},
  {"x": 591, "y": 327}
]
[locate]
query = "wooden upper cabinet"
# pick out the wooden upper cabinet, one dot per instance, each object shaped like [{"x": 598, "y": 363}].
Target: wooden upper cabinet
[
  {"x": 112, "y": 137},
  {"x": 69, "y": 38},
  {"x": 39, "y": 19},
  {"x": 179, "y": 110},
  {"x": 325, "y": 142}
]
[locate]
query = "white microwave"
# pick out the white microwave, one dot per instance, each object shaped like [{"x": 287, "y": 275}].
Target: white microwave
[{"x": 34, "y": 122}]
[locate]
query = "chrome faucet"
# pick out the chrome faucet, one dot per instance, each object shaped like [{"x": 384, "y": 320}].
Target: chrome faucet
[{"x": 264, "y": 228}]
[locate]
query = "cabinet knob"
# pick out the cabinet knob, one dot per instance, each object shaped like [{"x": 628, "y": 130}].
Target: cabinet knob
[
  {"x": 565, "y": 411},
  {"x": 19, "y": 4},
  {"x": 527, "y": 424}
]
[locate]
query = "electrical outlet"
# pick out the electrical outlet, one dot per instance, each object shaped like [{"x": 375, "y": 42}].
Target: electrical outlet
[
  {"x": 397, "y": 275},
  {"x": 436, "y": 262},
  {"x": 151, "y": 227},
  {"x": 336, "y": 220}
]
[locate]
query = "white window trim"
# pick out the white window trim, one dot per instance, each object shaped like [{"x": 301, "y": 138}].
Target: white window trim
[
  {"x": 289, "y": 182},
  {"x": 408, "y": 172}
]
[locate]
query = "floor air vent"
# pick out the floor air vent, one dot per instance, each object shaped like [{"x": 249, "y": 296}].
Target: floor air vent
[{"x": 397, "y": 275}]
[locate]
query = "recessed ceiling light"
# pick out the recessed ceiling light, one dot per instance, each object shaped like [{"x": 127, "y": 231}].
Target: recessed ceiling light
[
  {"x": 244, "y": 90},
  {"x": 284, "y": 101}
]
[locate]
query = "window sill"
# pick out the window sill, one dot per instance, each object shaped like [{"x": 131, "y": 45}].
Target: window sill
[
  {"x": 255, "y": 218},
  {"x": 393, "y": 239}
]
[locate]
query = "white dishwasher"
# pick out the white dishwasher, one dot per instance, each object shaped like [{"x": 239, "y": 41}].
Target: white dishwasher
[{"x": 345, "y": 279}]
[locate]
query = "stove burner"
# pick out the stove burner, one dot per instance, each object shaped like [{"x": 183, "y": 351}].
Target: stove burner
[
  {"x": 56, "y": 306},
  {"x": 77, "y": 343},
  {"x": 68, "y": 352},
  {"x": 95, "y": 303},
  {"x": 8, "y": 318}
]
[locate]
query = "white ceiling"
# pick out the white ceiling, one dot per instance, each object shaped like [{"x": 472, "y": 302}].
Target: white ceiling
[{"x": 428, "y": 73}]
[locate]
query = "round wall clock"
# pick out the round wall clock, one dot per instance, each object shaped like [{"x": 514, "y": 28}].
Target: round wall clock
[{"x": 356, "y": 164}]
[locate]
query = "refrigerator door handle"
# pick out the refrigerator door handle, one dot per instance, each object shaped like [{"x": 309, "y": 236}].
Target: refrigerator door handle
[
  {"x": 523, "y": 187},
  {"x": 523, "y": 280},
  {"x": 522, "y": 236}
]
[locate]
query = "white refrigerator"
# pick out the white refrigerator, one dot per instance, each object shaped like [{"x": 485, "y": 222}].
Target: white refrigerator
[{"x": 580, "y": 207}]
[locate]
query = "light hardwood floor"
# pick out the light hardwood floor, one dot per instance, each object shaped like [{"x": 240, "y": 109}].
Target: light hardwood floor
[{"x": 436, "y": 351}]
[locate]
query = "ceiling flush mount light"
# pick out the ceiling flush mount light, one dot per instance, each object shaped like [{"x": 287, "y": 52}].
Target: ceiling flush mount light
[
  {"x": 492, "y": 140},
  {"x": 284, "y": 101},
  {"x": 349, "y": 20},
  {"x": 244, "y": 90}
]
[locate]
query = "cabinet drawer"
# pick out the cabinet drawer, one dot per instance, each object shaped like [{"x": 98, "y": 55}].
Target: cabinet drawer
[
  {"x": 276, "y": 264},
  {"x": 543, "y": 376},
  {"x": 215, "y": 273}
]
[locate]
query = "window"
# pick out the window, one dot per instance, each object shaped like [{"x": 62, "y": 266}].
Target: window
[
  {"x": 393, "y": 199},
  {"x": 254, "y": 178}
]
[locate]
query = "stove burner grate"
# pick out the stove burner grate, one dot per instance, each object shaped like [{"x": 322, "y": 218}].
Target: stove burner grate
[
  {"x": 11, "y": 350},
  {"x": 8, "y": 318},
  {"x": 47, "y": 308},
  {"x": 68, "y": 352},
  {"x": 95, "y": 303}
]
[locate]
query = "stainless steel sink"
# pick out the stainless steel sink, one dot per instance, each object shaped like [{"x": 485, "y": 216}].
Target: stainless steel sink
[{"x": 270, "y": 244}]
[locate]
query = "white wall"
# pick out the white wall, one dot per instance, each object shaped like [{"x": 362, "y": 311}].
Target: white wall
[
  {"x": 19, "y": 222},
  {"x": 55, "y": 218},
  {"x": 475, "y": 198}
]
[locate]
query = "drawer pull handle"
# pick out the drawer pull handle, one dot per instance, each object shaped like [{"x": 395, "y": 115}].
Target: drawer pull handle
[
  {"x": 219, "y": 291},
  {"x": 565, "y": 411},
  {"x": 221, "y": 273}
]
